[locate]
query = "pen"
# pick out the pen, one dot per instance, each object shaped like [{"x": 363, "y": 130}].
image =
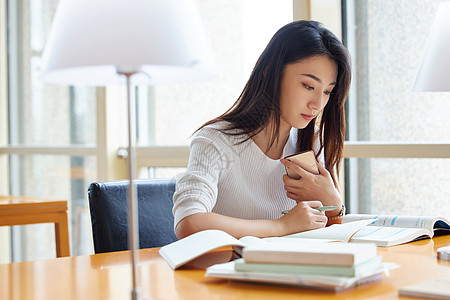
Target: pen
[
  {"x": 320, "y": 208},
  {"x": 325, "y": 208}
]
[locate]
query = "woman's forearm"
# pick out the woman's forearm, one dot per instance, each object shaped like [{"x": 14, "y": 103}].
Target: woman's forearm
[
  {"x": 234, "y": 226},
  {"x": 300, "y": 218}
]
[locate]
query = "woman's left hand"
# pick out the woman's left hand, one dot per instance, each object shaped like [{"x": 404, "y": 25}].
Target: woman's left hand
[{"x": 311, "y": 186}]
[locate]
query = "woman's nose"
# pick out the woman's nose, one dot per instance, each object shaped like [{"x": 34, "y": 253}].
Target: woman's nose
[{"x": 318, "y": 102}]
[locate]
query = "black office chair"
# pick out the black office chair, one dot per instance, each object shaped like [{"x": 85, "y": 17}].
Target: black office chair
[{"x": 109, "y": 214}]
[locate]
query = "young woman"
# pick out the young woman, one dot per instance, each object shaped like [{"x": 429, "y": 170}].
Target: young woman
[{"x": 294, "y": 101}]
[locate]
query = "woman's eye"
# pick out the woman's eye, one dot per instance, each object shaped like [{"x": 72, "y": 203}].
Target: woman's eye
[
  {"x": 328, "y": 93},
  {"x": 308, "y": 87}
]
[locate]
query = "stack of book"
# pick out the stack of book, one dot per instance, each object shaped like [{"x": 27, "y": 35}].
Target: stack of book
[
  {"x": 333, "y": 266},
  {"x": 321, "y": 258},
  {"x": 185, "y": 250}
]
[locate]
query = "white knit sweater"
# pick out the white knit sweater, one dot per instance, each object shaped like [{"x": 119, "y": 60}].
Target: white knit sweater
[{"x": 230, "y": 179}]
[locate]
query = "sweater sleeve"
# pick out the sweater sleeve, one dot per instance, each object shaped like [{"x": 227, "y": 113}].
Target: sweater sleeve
[{"x": 196, "y": 191}]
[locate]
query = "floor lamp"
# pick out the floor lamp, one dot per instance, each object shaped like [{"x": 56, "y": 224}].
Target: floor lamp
[{"x": 101, "y": 42}]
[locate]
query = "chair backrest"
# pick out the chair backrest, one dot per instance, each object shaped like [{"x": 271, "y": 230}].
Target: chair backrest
[{"x": 109, "y": 213}]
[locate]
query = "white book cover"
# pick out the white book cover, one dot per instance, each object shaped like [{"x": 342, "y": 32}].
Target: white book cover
[
  {"x": 331, "y": 254},
  {"x": 438, "y": 288}
]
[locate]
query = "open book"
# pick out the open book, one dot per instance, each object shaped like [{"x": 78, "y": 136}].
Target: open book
[
  {"x": 390, "y": 230},
  {"x": 187, "y": 249}
]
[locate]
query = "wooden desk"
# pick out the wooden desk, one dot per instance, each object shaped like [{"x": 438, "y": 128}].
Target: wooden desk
[
  {"x": 107, "y": 276},
  {"x": 19, "y": 210}
]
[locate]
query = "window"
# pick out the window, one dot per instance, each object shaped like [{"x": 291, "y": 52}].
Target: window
[{"x": 386, "y": 39}]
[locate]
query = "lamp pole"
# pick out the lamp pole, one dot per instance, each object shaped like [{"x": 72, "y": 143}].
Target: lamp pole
[{"x": 133, "y": 224}]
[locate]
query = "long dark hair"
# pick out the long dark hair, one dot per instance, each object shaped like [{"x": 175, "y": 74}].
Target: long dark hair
[{"x": 258, "y": 105}]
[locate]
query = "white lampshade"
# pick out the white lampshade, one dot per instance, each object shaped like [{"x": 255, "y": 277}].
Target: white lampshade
[
  {"x": 434, "y": 72},
  {"x": 90, "y": 40}
]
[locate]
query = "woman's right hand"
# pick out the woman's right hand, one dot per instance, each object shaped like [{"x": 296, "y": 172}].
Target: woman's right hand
[{"x": 303, "y": 217}]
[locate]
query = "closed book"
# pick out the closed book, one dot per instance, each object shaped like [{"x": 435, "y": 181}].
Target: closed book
[
  {"x": 330, "y": 254},
  {"x": 333, "y": 283},
  {"x": 361, "y": 269},
  {"x": 438, "y": 288}
]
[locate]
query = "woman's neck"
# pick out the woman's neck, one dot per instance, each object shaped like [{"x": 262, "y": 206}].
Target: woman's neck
[{"x": 264, "y": 139}]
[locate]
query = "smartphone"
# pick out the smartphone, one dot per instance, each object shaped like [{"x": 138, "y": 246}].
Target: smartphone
[{"x": 306, "y": 160}]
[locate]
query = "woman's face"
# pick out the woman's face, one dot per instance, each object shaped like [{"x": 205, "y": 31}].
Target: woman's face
[{"x": 305, "y": 89}]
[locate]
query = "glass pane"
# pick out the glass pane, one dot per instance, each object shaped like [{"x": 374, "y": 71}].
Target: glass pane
[
  {"x": 238, "y": 32},
  {"x": 42, "y": 114},
  {"x": 168, "y": 172},
  {"x": 59, "y": 178},
  {"x": 390, "y": 38},
  {"x": 405, "y": 186}
]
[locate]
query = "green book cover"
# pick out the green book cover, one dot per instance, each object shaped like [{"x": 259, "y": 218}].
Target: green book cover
[{"x": 351, "y": 271}]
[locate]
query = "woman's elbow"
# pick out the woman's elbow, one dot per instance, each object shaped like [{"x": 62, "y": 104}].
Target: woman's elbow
[{"x": 187, "y": 226}]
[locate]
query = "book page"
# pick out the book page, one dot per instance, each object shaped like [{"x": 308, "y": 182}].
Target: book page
[
  {"x": 389, "y": 236},
  {"x": 182, "y": 251},
  {"x": 426, "y": 222},
  {"x": 336, "y": 232},
  {"x": 291, "y": 241}
]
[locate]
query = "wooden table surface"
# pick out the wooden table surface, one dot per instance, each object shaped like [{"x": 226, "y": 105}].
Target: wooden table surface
[{"x": 107, "y": 276}]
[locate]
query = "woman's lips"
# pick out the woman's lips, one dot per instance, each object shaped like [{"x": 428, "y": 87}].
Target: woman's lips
[{"x": 308, "y": 117}]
